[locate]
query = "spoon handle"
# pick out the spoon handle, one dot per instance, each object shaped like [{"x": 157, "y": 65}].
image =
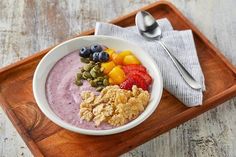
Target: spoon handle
[{"x": 184, "y": 73}]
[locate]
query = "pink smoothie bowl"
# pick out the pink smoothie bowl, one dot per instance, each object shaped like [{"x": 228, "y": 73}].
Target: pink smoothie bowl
[{"x": 63, "y": 49}]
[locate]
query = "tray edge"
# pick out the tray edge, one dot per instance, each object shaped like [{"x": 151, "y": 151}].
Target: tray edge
[
  {"x": 32, "y": 145},
  {"x": 20, "y": 129}
]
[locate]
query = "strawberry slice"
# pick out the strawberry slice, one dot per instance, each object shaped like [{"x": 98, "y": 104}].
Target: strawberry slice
[
  {"x": 127, "y": 84},
  {"x": 134, "y": 80},
  {"x": 144, "y": 75},
  {"x": 132, "y": 67},
  {"x": 140, "y": 82}
]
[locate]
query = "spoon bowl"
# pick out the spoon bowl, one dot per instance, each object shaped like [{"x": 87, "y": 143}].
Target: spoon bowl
[
  {"x": 149, "y": 28},
  {"x": 147, "y": 25}
]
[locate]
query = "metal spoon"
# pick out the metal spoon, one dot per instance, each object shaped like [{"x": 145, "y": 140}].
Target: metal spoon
[{"x": 149, "y": 28}]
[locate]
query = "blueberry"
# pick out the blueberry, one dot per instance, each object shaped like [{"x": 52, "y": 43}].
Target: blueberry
[
  {"x": 84, "y": 52},
  {"x": 103, "y": 56},
  {"x": 96, "y": 48},
  {"x": 96, "y": 57}
]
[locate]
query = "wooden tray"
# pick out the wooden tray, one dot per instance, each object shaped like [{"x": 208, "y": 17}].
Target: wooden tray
[{"x": 44, "y": 138}]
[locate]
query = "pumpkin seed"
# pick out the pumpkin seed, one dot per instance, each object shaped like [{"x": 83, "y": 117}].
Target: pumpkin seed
[
  {"x": 79, "y": 75},
  {"x": 96, "y": 68},
  {"x": 93, "y": 73},
  {"x": 86, "y": 75},
  {"x": 84, "y": 60},
  {"x": 88, "y": 67},
  {"x": 92, "y": 62},
  {"x": 93, "y": 83},
  {"x": 82, "y": 69},
  {"x": 106, "y": 77},
  {"x": 98, "y": 63},
  {"x": 78, "y": 82},
  {"x": 99, "y": 88},
  {"x": 105, "y": 82},
  {"x": 99, "y": 74},
  {"x": 100, "y": 83},
  {"x": 100, "y": 78}
]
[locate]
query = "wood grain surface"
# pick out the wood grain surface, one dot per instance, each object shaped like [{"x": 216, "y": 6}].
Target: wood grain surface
[{"x": 32, "y": 26}]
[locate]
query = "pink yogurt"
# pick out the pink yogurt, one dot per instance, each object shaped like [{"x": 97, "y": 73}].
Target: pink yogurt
[{"x": 64, "y": 96}]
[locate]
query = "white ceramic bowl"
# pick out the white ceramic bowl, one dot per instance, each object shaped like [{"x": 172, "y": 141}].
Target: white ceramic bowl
[{"x": 48, "y": 61}]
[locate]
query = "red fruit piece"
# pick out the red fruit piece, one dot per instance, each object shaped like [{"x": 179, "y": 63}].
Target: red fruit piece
[
  {"x": 127, "y": 84},
  {"x": 132, "y": 67},
  {"x": 140, "y": 82},
  {"x": 144, "y": 75},
  {"x": 134, "y": 80}
]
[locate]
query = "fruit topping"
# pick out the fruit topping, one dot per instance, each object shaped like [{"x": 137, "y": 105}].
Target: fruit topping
[
  {"x": 133, "y": 67},
  {"x": 107, "y": 66},
  {"x": 144, "y": 75},
  {"x": 120, "y": 67},
  {"x": 130, "y": 59},
  {"x": 84, "y": 52},
  {"x": 96, "y": 48},
  {"x": 111, "y": 81},
  {"x": 127, "y": 84},
  {"x": 96, "y": 56},
  {"x": 123, "y": 54},
  {"x": 117, "y": 75},
  {"x": 110, "y": 52},
  {"x": 137, "y": 70},
  {"x": 134, "y": 80},
  {"x": 117, "y": 59},
  {"x": 103, "y": 56}
]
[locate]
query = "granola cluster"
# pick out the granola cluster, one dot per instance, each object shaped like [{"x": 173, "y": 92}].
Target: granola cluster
[{"x": 113, "y": 105}]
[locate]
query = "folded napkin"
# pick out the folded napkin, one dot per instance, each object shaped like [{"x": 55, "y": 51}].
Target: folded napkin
[{"x": 181, "y": 45}]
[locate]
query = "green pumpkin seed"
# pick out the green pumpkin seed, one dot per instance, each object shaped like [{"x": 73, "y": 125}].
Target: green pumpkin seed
[
  {"x": 93, "y": 73},
  {"x": 105, "y": 82},
  {"x": 96, "y": 68},
  {"x": 98, "y": 63},
  {"x": 93, "y": 83},
  {"x": 92, "y": 62},
  {"x": 100, "y": 74},
  {"x": 88, "y": 67},
  {"x": 100, "y": 83},
  {"x": 100, "y": 78},
  {"x": 86, "y": 75},
  {"x": 78, "y": 82},
  {"x": 82, "y": 70},
  {"x": 99, "y": 88},
  {"x": 79, "y": 75},
  {"x": 93, "y": 69},
  {"x": 84, "y": 60}
]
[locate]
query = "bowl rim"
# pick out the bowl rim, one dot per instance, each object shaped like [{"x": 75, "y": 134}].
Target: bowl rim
[{"x": 56, "y": 119}]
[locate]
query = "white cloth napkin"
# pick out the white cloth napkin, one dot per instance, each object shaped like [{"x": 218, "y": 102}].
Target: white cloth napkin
[{"x": 181, "y": 45}]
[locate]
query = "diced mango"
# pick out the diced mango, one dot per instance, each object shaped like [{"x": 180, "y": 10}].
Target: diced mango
[
  {"x": 117, "y": 59},
  {"x": 130, "y": 59},
  {"x": 111, "y": 82},
  {"x": 107, "y": 66},
  {"x": 124, "y": 53},
  {"x": 110, "y": 52},
  {"x": 120, "y": 56},
  {"x": 117, "y": 75}
]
